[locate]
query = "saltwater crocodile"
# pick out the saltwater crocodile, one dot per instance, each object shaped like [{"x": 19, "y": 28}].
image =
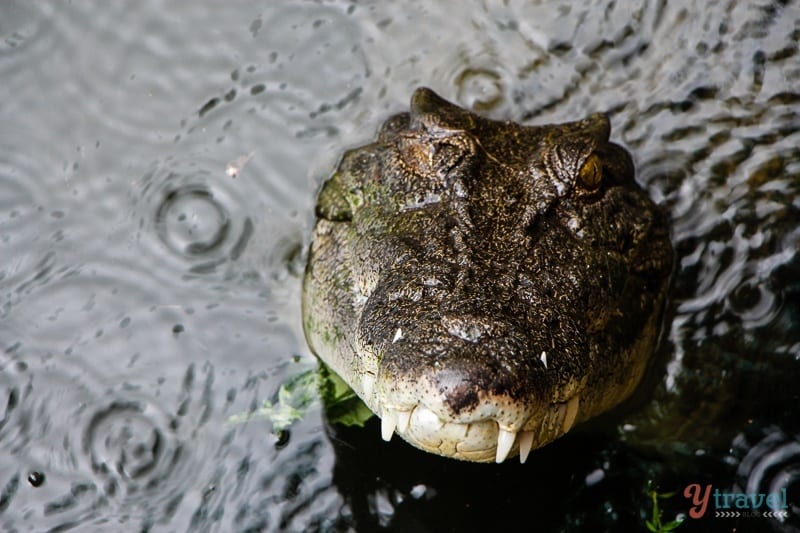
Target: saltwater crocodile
[{"x": 483, "y": 285}]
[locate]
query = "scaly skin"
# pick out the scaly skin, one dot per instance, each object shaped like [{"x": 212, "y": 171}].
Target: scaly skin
[{"x": 482, "y": 285}]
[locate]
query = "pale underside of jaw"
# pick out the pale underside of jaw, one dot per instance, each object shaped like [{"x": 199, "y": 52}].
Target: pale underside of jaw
[{"x": 476, "y": 441}]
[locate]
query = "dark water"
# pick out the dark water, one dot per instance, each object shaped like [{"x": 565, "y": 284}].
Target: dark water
[{"x": 146, "y": 294}]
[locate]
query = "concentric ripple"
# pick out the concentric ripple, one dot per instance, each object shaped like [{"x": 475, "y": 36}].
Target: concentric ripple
[
  {"x": 99, "y": 339},
  {"x": 191, "y": 222},
  {"x": 130, "y": 443},
  {"x": 771, "y": 465},
  {"x": 482, "y": 81},
  {"x": 197, "y": 216},
  {"x": 115, "y": 451}
]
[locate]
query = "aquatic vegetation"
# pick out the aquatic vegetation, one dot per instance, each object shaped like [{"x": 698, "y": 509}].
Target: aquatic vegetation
[{"x": 655, "y": 524}]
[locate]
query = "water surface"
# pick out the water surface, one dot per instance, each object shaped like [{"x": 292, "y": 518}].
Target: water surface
[{"x": 158, "y": 168}]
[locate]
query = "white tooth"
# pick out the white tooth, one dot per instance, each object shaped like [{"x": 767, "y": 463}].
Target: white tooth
[
  {"x": 367, "y": 385},
  {"x": 571, "y": 414},
  {"x": 505, "y": 441},
  {"x": 543, "y": 359},
  {"x": 388, "y": 423},
  {"x": 403, "y": 417},
  {"x": 525, "y": 443},
  {"x": 397, "y": 335}
]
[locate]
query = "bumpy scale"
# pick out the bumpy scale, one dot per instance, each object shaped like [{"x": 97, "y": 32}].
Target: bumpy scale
[{"x": 482, "y": 285}]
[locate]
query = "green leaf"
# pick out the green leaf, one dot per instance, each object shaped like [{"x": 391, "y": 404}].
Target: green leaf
[
  {"x": 654, "y": 524},
  {"x": 342, "y": 404},
  {"x": 351, "y": 413},
  {"x": 296, "y": 396},
  {"x": 300, "y": 393}
]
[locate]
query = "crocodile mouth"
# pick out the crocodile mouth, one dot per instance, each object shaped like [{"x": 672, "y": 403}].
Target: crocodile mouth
[
  {"x": 485, "y": 286},
  {"x": 480, "y": 404},
  {"x": 480, "y": 440},
  {"x": 447, "y": 412}
]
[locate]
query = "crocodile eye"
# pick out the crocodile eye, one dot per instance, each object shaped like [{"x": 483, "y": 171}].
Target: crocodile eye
[{"x": 591, "y": 173}]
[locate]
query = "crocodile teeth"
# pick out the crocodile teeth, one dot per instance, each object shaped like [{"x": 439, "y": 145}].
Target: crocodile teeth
[
  {"x": 571, "y": 414},
  {"x": 403, "y": 418},
  {"x": 388, "y": 423},
  {"x": 505, "y": 440},
  {"x": 525, "y": 443},
  {"x": 367, "y": 385}
]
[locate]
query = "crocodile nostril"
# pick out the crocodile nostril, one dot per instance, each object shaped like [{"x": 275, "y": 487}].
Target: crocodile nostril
[{"x": 469, "y": 295}]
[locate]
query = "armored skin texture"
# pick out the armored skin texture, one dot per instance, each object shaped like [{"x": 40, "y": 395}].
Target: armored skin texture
[{"x": 481, "y": 285}]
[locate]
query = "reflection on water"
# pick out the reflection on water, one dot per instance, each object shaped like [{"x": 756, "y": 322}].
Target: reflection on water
[
  {"x": 769, "y": 463},
  {"x": 157, "y": 179}
]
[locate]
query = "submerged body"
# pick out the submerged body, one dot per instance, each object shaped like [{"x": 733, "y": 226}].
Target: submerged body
[{"x": 481, "y": 285}]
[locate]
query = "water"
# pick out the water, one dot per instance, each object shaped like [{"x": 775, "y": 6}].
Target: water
[{"x": 158, "y": 169}]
